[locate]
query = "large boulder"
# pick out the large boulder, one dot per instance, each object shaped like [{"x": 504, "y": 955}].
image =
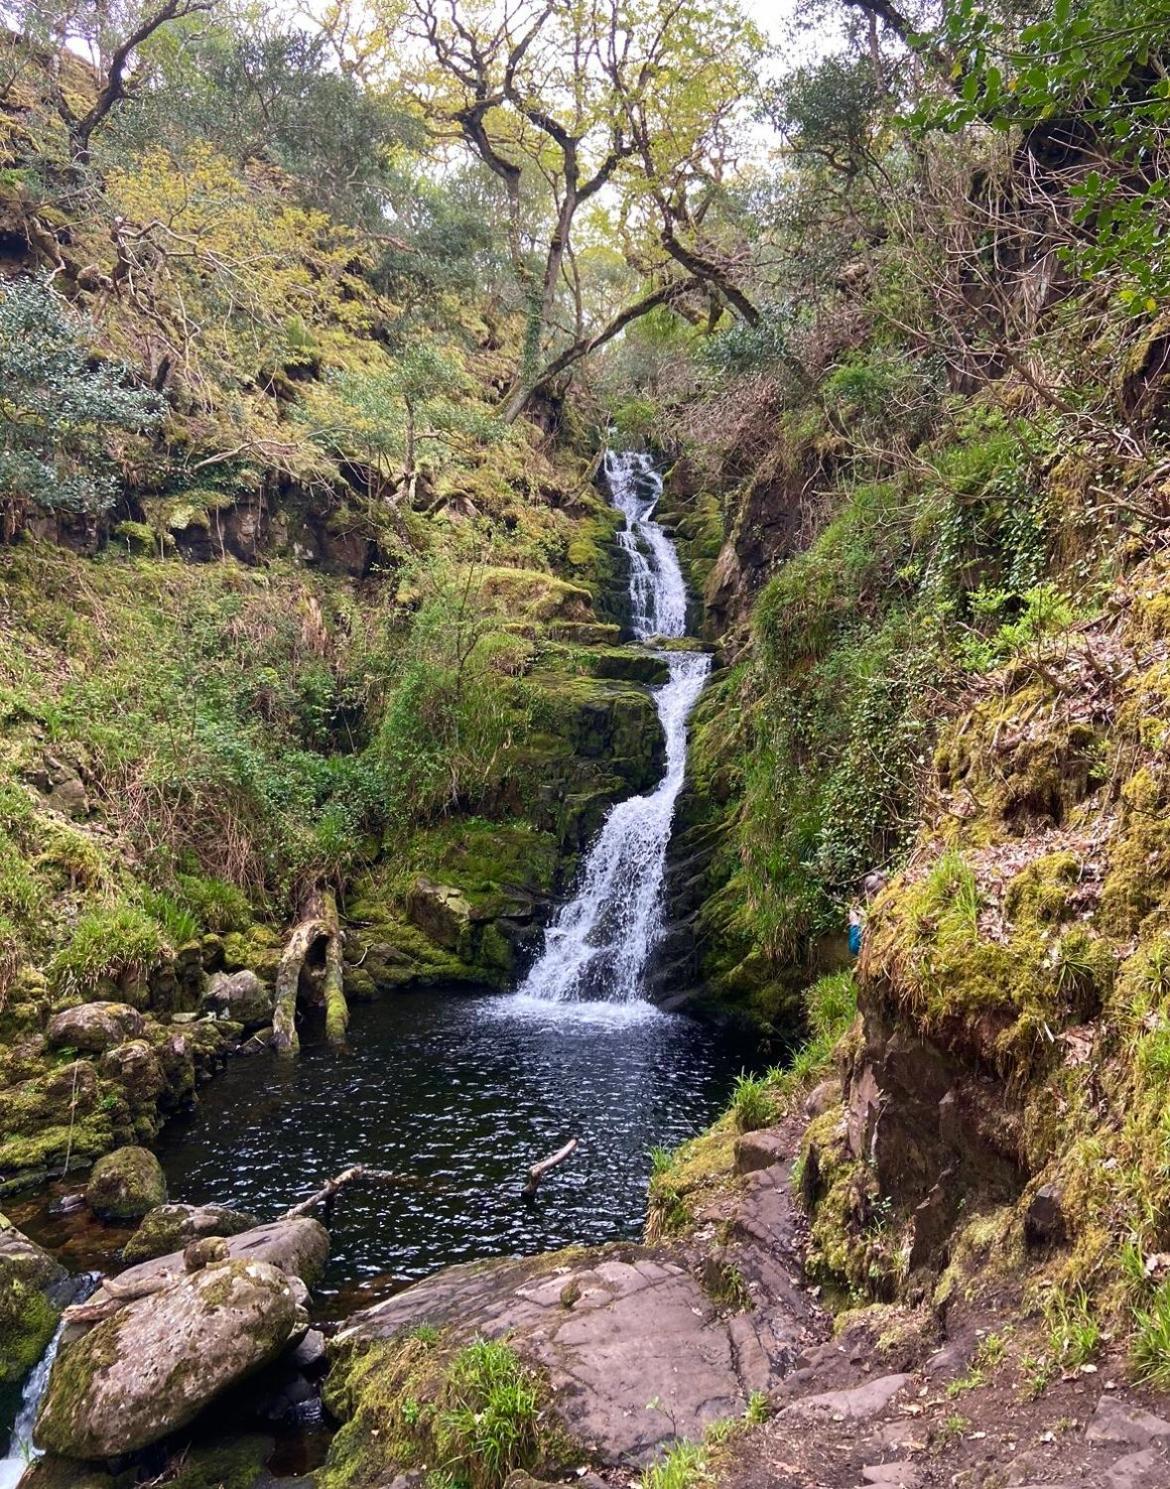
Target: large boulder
[
  {"x": 30, "y": 1302},
  {"x": 137, "y": 1069},
  {"x": 239, "y": 996},
  {"x": 125, "y": 1184},
  {"x": 298, "y": 1247},
  {"x": 152, "y": 1367},
  {"x": 169, "y": 1228},
  {"x": 94, "y": 1027}
]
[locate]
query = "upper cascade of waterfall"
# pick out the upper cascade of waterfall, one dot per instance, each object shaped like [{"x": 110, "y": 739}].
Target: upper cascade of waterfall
[
  {"x": 658, "y": 594},
  {"x": 600, "y": 944}
]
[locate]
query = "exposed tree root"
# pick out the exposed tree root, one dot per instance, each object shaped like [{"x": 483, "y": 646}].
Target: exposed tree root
[{"x": 319, "y": 923}]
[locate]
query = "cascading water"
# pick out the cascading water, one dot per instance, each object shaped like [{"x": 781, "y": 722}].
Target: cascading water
[
  {"x": 21, "y": 1451},
  {"x": 599, "y": 945}
]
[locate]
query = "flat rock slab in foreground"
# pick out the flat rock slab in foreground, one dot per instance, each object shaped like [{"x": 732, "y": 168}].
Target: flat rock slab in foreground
[{"x": 635, "y": 1351}]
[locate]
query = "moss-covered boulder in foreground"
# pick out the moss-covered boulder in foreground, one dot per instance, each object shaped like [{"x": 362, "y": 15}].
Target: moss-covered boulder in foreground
[
  {"x": 126, "y": 1184},
  {"x": 153, "y": 1366}
]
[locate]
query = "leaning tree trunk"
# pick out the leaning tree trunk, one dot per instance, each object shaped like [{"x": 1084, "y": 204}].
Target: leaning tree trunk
[
  {"x": 336, "y": 1008},
  {"x": 318, "y": 923}
]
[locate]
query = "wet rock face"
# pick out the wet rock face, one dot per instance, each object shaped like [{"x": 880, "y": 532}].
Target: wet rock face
[
  {"x": 239, "y": 996},
  {"x": 169, "y": 1228},
  {"x": 933, "y": 1131},
  {"x": 126, "y": 1184},
  {"x": 94, "y": 1027},
  {"x": 158, "y": 1362}
]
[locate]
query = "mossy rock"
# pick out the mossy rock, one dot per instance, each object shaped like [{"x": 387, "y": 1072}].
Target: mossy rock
[
  {"x": 126, "y": 1184},
  {"x": 28, "y": 1310},
  {"x": 168, "y": 1228},
  {"x": 257, "y": 949}
]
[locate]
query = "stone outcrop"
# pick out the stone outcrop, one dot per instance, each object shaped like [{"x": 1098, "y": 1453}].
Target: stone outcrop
[
  {"x": 616, "y": 1332},
  {"x": 126, "y": 1184},
  {"x": 94, "y": 1028},
  {"x": 152, "y": 1367},
  {"x": 240, "y": 996}
]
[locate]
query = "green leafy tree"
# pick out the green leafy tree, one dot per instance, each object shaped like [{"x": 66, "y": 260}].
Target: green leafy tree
[
  {"x": 394, "y": 415},
  {"x": 58, "y": 409},
  {"x": 1087, "y": 83}
]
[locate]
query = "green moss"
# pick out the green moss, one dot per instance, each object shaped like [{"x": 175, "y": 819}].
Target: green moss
[
  {"x": 27, "y": 1321},
  {"x": 35, "y": 1155},
  {"x": 417, "y": 1400},
  {"x": 236, "y": 1463},
  {"x": 107, "y": 945}
]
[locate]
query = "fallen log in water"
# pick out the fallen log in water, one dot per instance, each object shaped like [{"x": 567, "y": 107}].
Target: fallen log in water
[
  {"x": 357, "y": 1173},
  {"x": 538, "y": 1170}
]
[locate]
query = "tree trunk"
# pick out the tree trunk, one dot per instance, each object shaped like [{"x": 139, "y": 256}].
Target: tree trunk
[
  {"x": 318, "y": 922},
  {"x": 336, "y": 1008}
]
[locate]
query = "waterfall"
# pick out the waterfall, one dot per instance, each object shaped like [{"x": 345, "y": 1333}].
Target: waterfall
[
  {"x": 21, "y": 1451},
  {"x": 599, "y": 944}
]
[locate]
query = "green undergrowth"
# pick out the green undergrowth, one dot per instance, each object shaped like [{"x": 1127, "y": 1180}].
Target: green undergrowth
[
  {"x": 1027, "y": 942},
  {"x": 470, "y": 1416}
]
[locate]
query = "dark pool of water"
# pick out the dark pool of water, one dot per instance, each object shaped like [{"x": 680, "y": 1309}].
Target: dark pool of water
[{"x": 462, "y": 1094}]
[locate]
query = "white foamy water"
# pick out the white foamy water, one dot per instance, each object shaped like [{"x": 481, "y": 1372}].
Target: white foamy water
[{"x": 599, "y": 945}]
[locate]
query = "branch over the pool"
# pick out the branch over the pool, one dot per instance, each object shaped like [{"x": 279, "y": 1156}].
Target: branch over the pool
[{"x": 538, "y": 1170}]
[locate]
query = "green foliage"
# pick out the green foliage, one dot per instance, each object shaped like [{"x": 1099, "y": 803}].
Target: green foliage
[
  {"x": 490, "y": 1423},
  {"x": 1040, "y": 612},
  {"x": 1073, "y": 1333},
  {"x": 684, "y": 1466},
  {"x": 1090, "y": 61},
  {"x": 1150, "y": 1348},
  {"x": 829, "y": 112},
  {"x": 751, "y": 1102},
  {"x": 56, "y": 408},
  {"x": 106, "y": 944},
  {"x": 454, "y": 707}
]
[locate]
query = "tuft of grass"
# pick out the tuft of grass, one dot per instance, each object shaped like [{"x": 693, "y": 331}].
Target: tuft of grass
[
  {"x": 1150, "y": 1346},
  {"x": 178, "y": 923},
  {"x": 1073, "y": 1332},
  {"x": 684, "y": 1466},
  {"x": 106, "y": 944},
  {"x": 660, "y": 1160},
  {"x": 759, "y": 1409},
  {"x": 752, "y": 1103},
  {"x": 490, "y": 1426}
]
